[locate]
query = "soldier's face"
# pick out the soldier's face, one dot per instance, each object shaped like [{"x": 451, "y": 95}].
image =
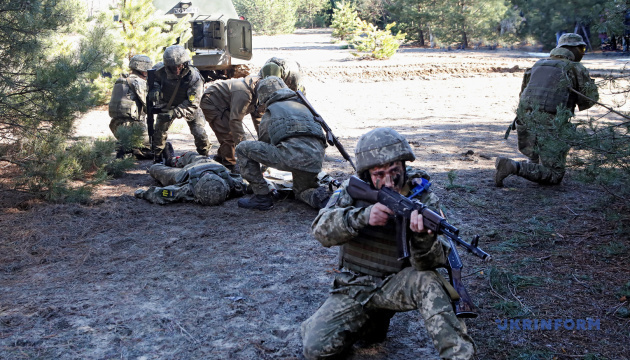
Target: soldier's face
[
  {"x": 391, "y": 175},
  {"x": 176, "y": 69}
]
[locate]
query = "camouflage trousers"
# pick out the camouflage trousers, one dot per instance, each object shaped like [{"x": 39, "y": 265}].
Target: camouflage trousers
[
  {"x": 143, "y": 152},
  {"x": 229, "y": 132},
  {"x": 547, "y": 158},
  {"x": 171, "y": 191},
  {"x": 197, "y": 128},
  {"x": 360, "y": 306},
  {"x": 286, "y": 156}
]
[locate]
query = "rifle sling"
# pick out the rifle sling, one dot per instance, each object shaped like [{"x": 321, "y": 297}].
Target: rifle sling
[
  {"x": 452, "y": 293},
  {"x": 170, "y": 102}
]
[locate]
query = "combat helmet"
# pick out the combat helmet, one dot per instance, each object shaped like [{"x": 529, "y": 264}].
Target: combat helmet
[
  {"x": 267, "y": 86},
  {"x": 140, "y": 63},
  {"x": 379, "y": 147},
  {"x": 570, "y": 39},
  {"x": 270, "y": 69},
  {"x": 175, "y": 55},
  {"x": 211, "y": 189}
]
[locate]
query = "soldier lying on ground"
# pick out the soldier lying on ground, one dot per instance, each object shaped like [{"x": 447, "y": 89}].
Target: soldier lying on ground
[
  {"x": 374, "y": 284},
  {"x": 192, "y": 177}
]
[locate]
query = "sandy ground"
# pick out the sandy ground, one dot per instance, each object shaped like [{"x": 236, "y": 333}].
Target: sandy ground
[{"x": 126, "y": 279}]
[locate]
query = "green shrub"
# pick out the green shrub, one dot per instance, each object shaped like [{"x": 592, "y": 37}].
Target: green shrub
[{"x": 345, "y": 21}]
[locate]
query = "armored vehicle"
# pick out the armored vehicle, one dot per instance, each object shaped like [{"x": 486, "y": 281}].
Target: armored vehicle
[{"x": 221, "y": 43}]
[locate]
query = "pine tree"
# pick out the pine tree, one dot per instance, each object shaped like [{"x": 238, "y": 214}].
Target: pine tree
[
  {"x": 269, "y": 16},
  {"x": 48, "y": 62},
  {"x": 312, "y": 13},
  {"x": 543, "y": 19}
]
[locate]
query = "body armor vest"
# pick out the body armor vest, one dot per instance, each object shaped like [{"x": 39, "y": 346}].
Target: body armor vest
[
  {"x": 548, "y": 86},
  {"x": 123, "y": 102},
  {"x": 292, "y": 119},
  {"x": 194, "y": 172},
  {"x": 373, "y": 252},
  {"x": 168, "y": 86}
]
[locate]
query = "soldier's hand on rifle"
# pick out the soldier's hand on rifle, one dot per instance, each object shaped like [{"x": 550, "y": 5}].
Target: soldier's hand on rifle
[
  {"x": 416, "y": 223},
  {"x": 379, "y": 215}
]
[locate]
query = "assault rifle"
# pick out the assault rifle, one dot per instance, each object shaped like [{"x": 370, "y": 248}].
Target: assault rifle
[
  {"x": 330, "y": 137},
  {"x": 402, "y": 208}
]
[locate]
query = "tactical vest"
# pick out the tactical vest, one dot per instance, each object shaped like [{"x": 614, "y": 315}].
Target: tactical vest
[
  {"x": 548, "y": 86},
  {"x": 194, "y": 172},
  {"x": 290, "y": 118},
  {"x": 122, "y": 103},
  {"x": 373, "y": 252},
  {"x": 168, "y": 86}
]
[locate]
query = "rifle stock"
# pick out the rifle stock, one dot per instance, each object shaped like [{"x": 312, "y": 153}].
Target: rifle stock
[{"x": 331, "y": 139}]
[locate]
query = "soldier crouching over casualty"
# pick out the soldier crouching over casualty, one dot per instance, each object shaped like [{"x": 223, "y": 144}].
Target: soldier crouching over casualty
[
  {"x": 192, "y": 177},
  {"x": 128, "y": 107},
  {"x": 374, "y": 284},
  {"x": 179, "y": 86},
  {"x": 225, "y": 104},
  {"x": 288, "y": 70},
  {"x": 289, "y": 140}
]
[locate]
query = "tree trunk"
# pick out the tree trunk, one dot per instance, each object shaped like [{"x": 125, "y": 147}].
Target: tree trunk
[{"x": 421, "y": 37}]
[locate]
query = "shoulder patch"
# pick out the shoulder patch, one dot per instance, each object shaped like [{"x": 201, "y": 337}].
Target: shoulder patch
[
  {"x": 191, "y": 98},
  {"x": 333, "y": 199}
]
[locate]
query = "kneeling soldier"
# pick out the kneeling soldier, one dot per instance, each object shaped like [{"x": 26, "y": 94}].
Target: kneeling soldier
[
  {"x": 289, "y": 140},
  {"x": 374, "y": 284}
]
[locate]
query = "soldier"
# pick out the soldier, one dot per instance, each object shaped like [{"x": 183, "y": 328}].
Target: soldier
[
  {"x": 127, "y": 106},
  {"x": 225, "y": 104},
  {"x": 374, "y": 284},
  {"x": 290, "y": 140},
  {"x": 192, "y": 177},
  {"x": 288, "y": 70},
  {"x": 546, "y": 105},
  {"x": 179, "y": 86}
]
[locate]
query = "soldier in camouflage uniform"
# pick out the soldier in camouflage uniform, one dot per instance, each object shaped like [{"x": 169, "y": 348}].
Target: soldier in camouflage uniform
[
  {"x": 544, "y": 100},
  {"x": 128, "y": 107},
  {"x": 179, "y": 87},
  {"x": 192, "y": 177},
  {"x": 374, "y": 284},
  {"x": 286, "y": 69},
  {"x": 225, "y": 104},
  {"x": 289, "y": 139}
]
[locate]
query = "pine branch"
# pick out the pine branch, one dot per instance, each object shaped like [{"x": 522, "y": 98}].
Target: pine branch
[{"x": 600, "y": 104}]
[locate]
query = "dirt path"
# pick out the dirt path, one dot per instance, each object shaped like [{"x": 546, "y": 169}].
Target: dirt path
[{"x": 123, "y": 278}]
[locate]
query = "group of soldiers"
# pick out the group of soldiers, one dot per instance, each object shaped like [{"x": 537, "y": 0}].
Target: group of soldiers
[{"x": 373, "y": 283}]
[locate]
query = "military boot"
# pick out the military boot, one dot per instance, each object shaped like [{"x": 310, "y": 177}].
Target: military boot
[
  {"x": 505, "y": 167},
  {"x": 168, "y": 155},
  {"x": 258, "y": 202}
]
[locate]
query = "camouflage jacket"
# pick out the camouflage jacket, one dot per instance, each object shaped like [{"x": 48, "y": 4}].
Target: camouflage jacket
[
  {"x": 238, "y": 96},
  {"x": 339, "y": 222},
  {"x": 579, "y": 78},
  {"x": 186, "y": 101}
]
